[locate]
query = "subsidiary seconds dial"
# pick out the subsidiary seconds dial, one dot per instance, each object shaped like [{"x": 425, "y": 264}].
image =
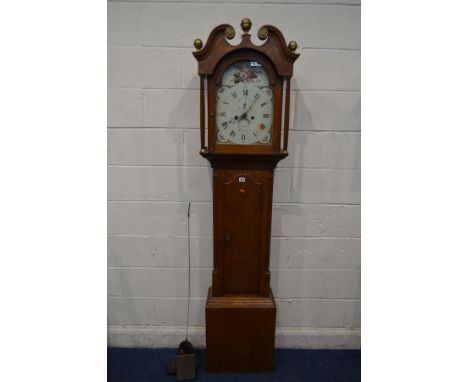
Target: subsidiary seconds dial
[{"x": 244, "y": 114}]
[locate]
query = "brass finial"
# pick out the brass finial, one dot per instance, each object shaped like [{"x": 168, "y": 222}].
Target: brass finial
[
  {"x": 246, "y": 24},
  {"x": 198, "y": 44},
  {"x": 292, "y": 46}
]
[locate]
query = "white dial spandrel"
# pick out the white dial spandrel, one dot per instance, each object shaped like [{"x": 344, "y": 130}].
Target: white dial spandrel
[{"x": 244, "y": 111}]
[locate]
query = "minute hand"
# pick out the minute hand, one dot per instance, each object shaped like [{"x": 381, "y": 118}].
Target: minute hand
[{"x": 257, "y": 96}]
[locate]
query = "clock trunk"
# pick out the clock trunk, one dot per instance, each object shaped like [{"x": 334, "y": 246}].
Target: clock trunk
[
  {"x": 242, "y": 220},
  {"x": 240, "y": 310}
]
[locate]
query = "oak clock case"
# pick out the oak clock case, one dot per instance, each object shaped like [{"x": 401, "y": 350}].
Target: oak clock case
[{"x": 248, "y": 125}]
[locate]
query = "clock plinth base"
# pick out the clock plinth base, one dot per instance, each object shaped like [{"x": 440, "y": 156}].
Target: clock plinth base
[{"x": 240, "y": 333}]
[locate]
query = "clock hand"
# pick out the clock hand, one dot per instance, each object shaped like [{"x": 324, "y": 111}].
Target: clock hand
[{"x": 244, "y": 115}]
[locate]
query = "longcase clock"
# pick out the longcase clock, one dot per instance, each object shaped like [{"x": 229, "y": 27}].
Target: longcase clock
[{"x": 246, "y": 109}]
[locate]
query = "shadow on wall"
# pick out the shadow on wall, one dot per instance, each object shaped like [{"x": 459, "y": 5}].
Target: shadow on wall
[
  {"x": 193, "y": 184},
  {"x": 326, "y": 136},
  {"x": 334, "y": 158}
]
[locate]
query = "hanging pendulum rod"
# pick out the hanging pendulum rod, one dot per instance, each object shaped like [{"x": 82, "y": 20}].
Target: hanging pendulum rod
[{"x": 188, "y": 287}]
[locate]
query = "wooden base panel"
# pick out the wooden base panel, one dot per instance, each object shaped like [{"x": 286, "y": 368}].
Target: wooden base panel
[{"x": 240, "y": 333}]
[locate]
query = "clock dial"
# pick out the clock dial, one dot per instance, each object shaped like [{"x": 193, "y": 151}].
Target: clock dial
[{"x": 244, "y": 106}]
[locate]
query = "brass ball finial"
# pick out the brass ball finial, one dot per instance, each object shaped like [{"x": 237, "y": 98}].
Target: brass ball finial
[
  {"x": 198, "y": 44},
  {"x": 246, "y": 24},
  {"x": 292, "y": 46}
]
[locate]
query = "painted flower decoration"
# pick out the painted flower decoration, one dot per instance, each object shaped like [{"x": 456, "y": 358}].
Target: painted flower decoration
[{"x": 245, "y": 74}]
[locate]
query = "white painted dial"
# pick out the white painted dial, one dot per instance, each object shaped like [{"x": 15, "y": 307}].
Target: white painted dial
[{"x": 244, "y": 114}]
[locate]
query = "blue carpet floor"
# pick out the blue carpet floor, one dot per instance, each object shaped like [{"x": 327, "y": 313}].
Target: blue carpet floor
[{"x": 292, "y": 365}]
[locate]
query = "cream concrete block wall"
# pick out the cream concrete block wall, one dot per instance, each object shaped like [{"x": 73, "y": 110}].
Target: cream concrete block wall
[{"x": 155, "y": 170}]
